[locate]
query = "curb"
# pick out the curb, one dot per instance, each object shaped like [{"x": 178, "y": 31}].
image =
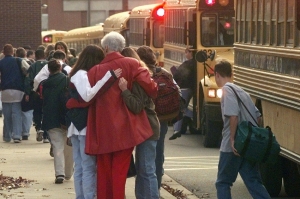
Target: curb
[{"x": 176, "y": 186}]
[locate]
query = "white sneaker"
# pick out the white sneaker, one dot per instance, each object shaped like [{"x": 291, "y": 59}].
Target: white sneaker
[
  {"x": 45, "y": 140},
  {"x": 39, "y": 135}
]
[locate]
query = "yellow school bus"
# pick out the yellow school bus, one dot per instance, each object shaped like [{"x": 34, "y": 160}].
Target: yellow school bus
[
  {"x": 202, "y": 26},
  {"x": 267, "y": 66},
  {"x": 118, "y": 22},
  {"x": 79, "y": 38},
  {"x": 52, "y": 36},
  {"x": 147, "y": 28}
]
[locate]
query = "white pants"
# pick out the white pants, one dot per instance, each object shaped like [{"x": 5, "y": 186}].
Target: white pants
[{"x": 63, "y": 158}]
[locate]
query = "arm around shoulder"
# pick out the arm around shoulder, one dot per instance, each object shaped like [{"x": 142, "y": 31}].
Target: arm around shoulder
[{"x": 144, "y": 79}]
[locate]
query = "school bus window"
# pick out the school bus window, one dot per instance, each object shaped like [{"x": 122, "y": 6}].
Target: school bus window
[
  {"x": 281, "y": 19},
  {"x": 136, "y": 31},
  {"x": 266, "y": 24},
  {"x": 248, "y": 23},
  {"x": 158, "y": 34},
  {"x": 174, "y": 26},
  {"x": 209, "y": 29},
  {"x": 290, "y": 24},
  {"x": 217, "y": 29}
]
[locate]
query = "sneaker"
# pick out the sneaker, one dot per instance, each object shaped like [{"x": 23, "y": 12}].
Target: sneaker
[
  {"x": 59, "y": 179},
  {"x": 24, "y": 137},
  {"x": 176, "y": 134},
  {"x": 17, "y": 140},
  {"x": 45, "y": 140},
  {"x": 39, "y": 135},
  {"x": 51, "y": 151}
]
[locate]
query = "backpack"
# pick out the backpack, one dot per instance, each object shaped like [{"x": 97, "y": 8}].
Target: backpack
[{"x": 168, "y": 101}]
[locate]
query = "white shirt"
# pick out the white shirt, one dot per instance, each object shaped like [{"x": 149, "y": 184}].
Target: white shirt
[
  {"x": 44, "y": 74},
  {"x": 83, "y": 86}
]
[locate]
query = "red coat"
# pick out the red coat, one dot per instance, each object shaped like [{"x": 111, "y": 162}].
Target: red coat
[{"x": 111, "y": 126}]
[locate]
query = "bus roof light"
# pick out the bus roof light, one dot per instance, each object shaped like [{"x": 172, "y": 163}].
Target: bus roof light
[
  {"x": 210, "y": 2},
  {"x": 223, "y": 2}
]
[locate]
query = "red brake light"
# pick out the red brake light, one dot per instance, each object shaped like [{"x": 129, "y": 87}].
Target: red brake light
[
  {"x": 47, "y": 39},
  {"x": 210, "y": 2},
  {"x": 160, "y": 12},
  {"x": 227, "y": 25}
]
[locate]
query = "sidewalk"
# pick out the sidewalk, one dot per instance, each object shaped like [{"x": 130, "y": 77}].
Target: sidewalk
[{"x": 31, "y": 160}]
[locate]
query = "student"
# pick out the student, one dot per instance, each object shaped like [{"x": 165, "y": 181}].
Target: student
[
  {"x": 147, "y": 55},
  {"x": 111, "y": 127},
  {"x": 44, "y": 74},
  {"x": 12, "y": 86},
  {"x": 185, "y": 77},
  {"x": 145, "y": 153},
  {"x": 230, "y": 163},
  {"x": 54, "y": 111},
  {"x": 33, "y": 70},
  {"x": 80, "y": 90},
  {"x": 27, "y": 108}
]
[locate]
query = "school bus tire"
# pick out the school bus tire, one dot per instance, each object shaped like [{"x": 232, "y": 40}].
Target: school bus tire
[
  {"x": 291, "y": 178},
  {"x": 271, "y": 175},
  {"x": 211, "y": 129}
]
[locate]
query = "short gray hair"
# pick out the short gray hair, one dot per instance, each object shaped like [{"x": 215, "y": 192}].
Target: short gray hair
[{"x": 114, "y": 41}]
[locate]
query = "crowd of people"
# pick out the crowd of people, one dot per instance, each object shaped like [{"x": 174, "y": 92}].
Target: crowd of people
[{"x": 97, "y": 107}]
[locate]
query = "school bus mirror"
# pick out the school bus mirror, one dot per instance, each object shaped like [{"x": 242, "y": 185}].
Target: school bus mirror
[
  {"x": 148, "y": 36},
  {"x": 201, "y": 56}
]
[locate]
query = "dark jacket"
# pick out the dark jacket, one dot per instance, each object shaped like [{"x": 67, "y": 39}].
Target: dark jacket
[
  {"x": 33, "y": 70},
  {"x": 54, "y": 106},
  {"x": 185, "y": 75},
  {"x": 136, "y": 101},
  {"x": 11, "y": 74}
]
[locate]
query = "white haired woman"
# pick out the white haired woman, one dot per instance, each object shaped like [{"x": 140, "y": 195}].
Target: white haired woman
[{"x": 112, "y": 130}]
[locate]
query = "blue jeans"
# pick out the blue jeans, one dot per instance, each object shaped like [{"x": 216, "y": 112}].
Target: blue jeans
[
  {"x": 12, "y": 124},
  {"x": 84, "y": 169},
  {"x": 26, "y": 122},
  {"x": 146, "y": 181},
  {"x": 229, "y": 167},
  {"x": 160, "y": 149}
]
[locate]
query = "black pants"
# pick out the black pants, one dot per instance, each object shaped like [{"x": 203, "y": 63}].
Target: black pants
[{"x": 38, "y": 115}]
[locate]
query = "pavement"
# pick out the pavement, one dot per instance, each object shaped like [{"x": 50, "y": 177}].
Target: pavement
[{"x": 30, "y": 160}]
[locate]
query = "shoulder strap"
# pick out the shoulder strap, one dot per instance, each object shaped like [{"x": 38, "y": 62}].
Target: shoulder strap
[
  {"x": 239, "y": 99},
  {"x": 19, "y": 63}
]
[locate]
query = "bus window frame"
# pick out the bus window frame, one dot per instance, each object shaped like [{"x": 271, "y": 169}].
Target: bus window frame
[
  {"x": 159, "y": 28},
  {"x": 279, "y": 28},
  {"x": 217, "y": 20},
  {"x": 132, "y": 33}
]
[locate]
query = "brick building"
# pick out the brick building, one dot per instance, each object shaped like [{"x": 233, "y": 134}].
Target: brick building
[
  {"x": 69, "y": 14},
  {"x": 20, "y": 23}
]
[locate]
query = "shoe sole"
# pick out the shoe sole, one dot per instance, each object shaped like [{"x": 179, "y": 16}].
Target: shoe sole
[
  {"x": 17, "y": 141},
  {"x": 59, "y": 181},
  {"x": 45, "y": 141},
  {"x": 39, "y": 136},
  {"x": 25, "y": 138},
  {"x": 175, "y": 136}
]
